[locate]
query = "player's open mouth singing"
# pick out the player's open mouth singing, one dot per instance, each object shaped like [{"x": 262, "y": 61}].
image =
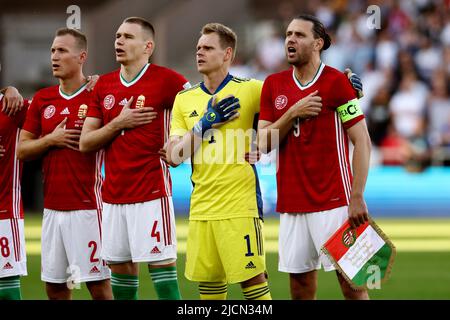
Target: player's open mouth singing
[
  {"x": 291, "y": 51},
  {"x": 119, "y": 52}
]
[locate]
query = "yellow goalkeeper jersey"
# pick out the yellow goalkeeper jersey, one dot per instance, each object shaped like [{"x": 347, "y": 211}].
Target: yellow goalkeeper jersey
[{"x": 224, "y": 185}]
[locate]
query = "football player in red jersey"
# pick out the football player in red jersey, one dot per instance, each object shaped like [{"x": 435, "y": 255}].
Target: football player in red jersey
[
  {"x": 129, "y": 116},
  {"x": 314, "y": 110},
  {"x": 71, "y": 229},
  {"x": 12, "y": 238}
]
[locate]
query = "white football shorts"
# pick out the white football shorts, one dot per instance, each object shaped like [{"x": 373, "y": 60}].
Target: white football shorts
[
  {"x": 13, "y": 260},
  {"x": 301, "y": 237},
  {"x": 139, "y": 232},
  {"x": 71, "y": 246}
]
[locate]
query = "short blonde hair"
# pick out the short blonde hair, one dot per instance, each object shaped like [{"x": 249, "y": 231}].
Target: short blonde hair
[
  {"x": 227, "y": 37},
  {"x": 80, "y": 37}
]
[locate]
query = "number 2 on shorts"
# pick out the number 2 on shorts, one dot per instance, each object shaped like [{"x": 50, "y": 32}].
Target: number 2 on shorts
[{"x": 93, "y": 244}]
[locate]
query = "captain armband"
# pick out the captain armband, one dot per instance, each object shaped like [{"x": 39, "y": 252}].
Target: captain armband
[{"x": 349, "y": 111}]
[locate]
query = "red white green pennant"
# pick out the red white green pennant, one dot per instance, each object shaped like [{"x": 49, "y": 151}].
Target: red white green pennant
[{"x": 360, "y": 253}]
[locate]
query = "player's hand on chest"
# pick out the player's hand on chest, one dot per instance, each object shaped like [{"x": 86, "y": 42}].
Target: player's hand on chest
[
  {"x": 311, "y": 112},
  {"x": 113, "y": 105},
  {"x": 54, "y": 114}
]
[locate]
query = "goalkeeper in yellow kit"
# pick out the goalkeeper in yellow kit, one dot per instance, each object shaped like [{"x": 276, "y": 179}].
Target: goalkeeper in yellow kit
[{"x": 213, "y": 123}]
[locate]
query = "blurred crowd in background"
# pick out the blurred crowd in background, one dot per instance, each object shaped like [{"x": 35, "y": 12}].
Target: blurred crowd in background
[
  {"x": 401, "y": 52},
  {"x": 404, "y": 65},
  {"x": 400, "y": 49}
]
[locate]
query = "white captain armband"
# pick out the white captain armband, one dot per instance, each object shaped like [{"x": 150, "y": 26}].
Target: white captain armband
[{"x": 349, "y": 111}]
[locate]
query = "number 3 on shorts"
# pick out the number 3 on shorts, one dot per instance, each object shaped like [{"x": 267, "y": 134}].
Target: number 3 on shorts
[{"x": 155, "y": 233}]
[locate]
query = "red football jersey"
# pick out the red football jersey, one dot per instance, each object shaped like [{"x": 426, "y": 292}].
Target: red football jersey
[
  {"x": 72, "y": 180},
  {"x": 11, "y": 167},
  {"x": 134, "y": 171},
  {"x": 314, "y": 169}
]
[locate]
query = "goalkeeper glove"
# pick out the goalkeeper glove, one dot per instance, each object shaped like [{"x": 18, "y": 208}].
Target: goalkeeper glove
[
  {"x": 356, "y": 82},
  {"x": 216, "y": 114}
]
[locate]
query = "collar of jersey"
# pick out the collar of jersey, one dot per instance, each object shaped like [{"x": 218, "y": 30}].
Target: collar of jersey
[
  {"x": 314, "y": 79},
  {"x": 220, "y": 87},
  {"x": 73, "y": 95},
  {"x": 136, "y": 79}
]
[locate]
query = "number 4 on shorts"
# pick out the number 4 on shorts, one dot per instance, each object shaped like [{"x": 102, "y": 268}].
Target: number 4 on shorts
[{"x": 155, "y": 233}]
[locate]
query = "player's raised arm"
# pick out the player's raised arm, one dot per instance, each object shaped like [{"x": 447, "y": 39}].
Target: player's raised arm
[
  {"x": 359, "y": 136},
  {"x": 94, "y": 136}
]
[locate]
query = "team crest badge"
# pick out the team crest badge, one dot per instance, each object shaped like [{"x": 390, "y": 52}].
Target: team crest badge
[
  {"x": 349, "y": 237},
  {"x": 281, "y": 102},
  {"x": 49, "y": 111},
  {"x": 82, "y": 111},
  {"x": 140, "y": 102},
  {"x": 109, "y": 101}
]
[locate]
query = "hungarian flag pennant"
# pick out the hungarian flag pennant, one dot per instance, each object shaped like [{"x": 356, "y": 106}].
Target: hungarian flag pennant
[{"x": 363, "y": 255}]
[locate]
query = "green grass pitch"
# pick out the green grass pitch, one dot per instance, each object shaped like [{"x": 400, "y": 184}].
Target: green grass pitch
[{"x": 421, "y": 268}]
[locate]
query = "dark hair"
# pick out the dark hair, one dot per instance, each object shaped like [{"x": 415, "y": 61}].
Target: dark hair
[
  {"x": 147, "y": 26},
  {"x": 318, "y": 29},
  {"x": 227, "y": 37},
  {"x": 79, "y": 36}
]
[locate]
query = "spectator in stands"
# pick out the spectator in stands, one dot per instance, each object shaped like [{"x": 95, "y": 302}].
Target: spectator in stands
[
  {"x": 407, "y": 106},
  {"x": 395, "y": 150},
  {"x": 438, "y": 113},
  {"x": 378, "y": 116}
]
